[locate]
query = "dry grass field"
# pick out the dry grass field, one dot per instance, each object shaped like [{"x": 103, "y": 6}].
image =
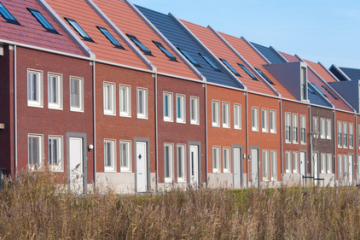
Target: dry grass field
[{"x": 31, "y": 207}]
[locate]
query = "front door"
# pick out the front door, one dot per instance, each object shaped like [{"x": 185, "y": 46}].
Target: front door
[
  {"x": 237, "y": 167},
  {"x": 303, "y": 163},
  {"x": 351, "y": 169},
  {"x": 254, "y": 167},
  {"x": 141, "y": 167},
  {"x": 194, "y": 165},
  {"x": 76, "y": 164}
]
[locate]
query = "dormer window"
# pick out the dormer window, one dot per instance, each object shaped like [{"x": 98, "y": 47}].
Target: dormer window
[
  {"x": 7, "y": 15},
  {"x": 142, "y": 47},
  {"x": 304, "y": 88},
  {"x": 42, "y": 20},
  {"x": 207, "y": 59},
  {"x": 165, "y": 51}
]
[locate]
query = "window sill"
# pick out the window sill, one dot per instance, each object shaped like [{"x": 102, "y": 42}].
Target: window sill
[
  {"x": 180, "y": 180},
  {"x": 255, "y": 130},
  {"x": 272, "y": 132},
  {"x": 194, "y": 123},
  {"x": 109, "y": 171},
  {"x": 76, "y": 110},
  {"x": 143, "y": 118},
  {"x": 110, "y": 114},
  {"x": 215, "y": 125},
  {"x": 127, "y": 116},
  {"x": 182, "y": 122},
  {"x": 35, "y": 105},
  {"x": 168, "y": 180},
  {"x": 216, "y": 171},
  {"x": 55, "y": 107},
  {"x": 125, "y": 171}
]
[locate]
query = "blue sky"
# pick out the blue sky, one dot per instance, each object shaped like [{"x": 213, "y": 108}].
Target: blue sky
[{"x": 318, "y": 30}]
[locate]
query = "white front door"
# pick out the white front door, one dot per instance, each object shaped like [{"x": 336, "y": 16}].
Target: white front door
[
  {"x": 237, "y": 167},
  {"x": 254, "y": 168},
  {"x": 351, "y": 169},
  {"x": 141, "y": 167},
  {"x": 303, "y": 163},
  {"x": 194, "y": 165},
  {"x": 76, "y": 164}
]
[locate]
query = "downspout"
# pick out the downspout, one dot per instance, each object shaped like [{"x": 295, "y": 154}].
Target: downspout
[
  {"x": 356, "y": 148},
  {"x": 311, "y": 140},
  {"x": 94, "y": 124},
  {"x": 335, "y": 139},
  {"x": 206, "y": 137},
  {"x": 15, "y": 110},
  {"x": 281, "y": 139},
  {"x": 247, "y": 139},
  {"x": 156, "y": 135}
]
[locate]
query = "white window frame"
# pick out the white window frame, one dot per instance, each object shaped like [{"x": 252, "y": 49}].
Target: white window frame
[
  {"x": 255, "y": 119},
  {"x": 295, "y": 127},
  {"x": 315, "y": 126},
  {"x": 128, "y": 156},
  {"x": 345, "y": 137},
  {"x": 225, "y": 114},
  {"x": 109, "y": 98},
  {"x": 79, "y": 108},
  {"x": 264, "y": 120},
  {"x": 302, "y": 126},
  {"x": 215, "y": 113},
  {"x": 351, "y": 133},
  {"x": 272, "y": 121},
  {"x": 168, "y": 107},
  {"x": 170, "y": 178},
  {"x": 237, "y": 113},
  {"x": 182, "y": 107},
  {"x": 295, "y": 162},
  {"x": 328, "y": 129},
  {"x": 59, "y": 91},
  {"x": 60, "y": 153},
  {"x": 322, "y": 128},
  {"x": 339, "y": 133},
  {"x": 127, "y": 89},
  {"x": 288, "y": 164},
  {"x": 194, "y": 110},
  {"x": 273, "y": 162},
  {"x": 323, "y": 163},
  {"x": 40, "y": 137},
  {"x": 226, "y": 159},
  {"x": 216, "y": 159},
  {"x": 329, "y": 163},
  {"x": 142, "y": 115},
  {"x": 38, "y": 102},
  {"x": 288, "y": 127},
  {"x": 111, "y": 168},
  {"x": 265, "y": 165},
  {"x": 181, "y": 160}
]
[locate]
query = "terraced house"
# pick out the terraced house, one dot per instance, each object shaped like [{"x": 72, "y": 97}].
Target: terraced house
[{"x": 111, "y": 94}]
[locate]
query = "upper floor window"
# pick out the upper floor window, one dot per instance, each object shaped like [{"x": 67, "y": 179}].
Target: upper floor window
[
  {"x": 304, "y": 88},
  {"x": 79, "y": 29},
  {"x": 42, "y": 20},
  {"x": 142, "y": 103},
  {"x": 295, "y": 127},
  {"x": 328, "y": 128},
  {"x": 272, "y": 121},
  {"x": 351, "y": 135},
  {"x": 226, "y": 115},
  {"x": 264, "y": 120},
  {"x": 180, "y": 108},
  {"x": 110, "y": 37},
  {"x": 109, "y": 98},
  {"x": 55, "y": 92},
  {"x": 215, "y": 105},
  {"x": 7, "y": 15},
  {"x": 76, "y": 94},
  {"x": 288, "y": 127},
  {"x": 165, "y": 51},
  {"x": 322, "y": 128},
  {"x": 141, "y": 46},
  {"x": 255, "y": 119},
  {"x": 125, "y": 100},
  {"x": 339, "y": 133},
  {"x": 237, "y": 116},
  {"x": 168, "y": 107},
  {"x": 34, "y": 88},
  {"x": 194, "y": 110},
  {"x": 345, "y": 137},
  {"x": 303, "y": 129}
]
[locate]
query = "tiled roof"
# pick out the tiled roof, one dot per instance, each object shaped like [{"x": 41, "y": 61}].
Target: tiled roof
[
  {"x": 256, "y": 61},
  {"x": 290, "y": 58},
  {"x": 88, "y": 19},
  {"x": 31, "y": 32},
  {"x": 219, "y": 48},
  {"x": 324, "y": 74},
  {"x": 269, "y": 53},
  {"x": 129, "y": 22},
  {"x": 352, "y": 73}
]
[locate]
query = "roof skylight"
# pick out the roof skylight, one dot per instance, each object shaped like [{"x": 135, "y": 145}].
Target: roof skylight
[
  {"x": 7, "y": 15},
  {"x": 326, "y": 89},
  {"x": 79, "y": 29},
  {"x": 321, "y": 92},
  {"x": 264, "y": 76},
  {"x": 165, "y": 51},
  {"x": 110, "y": 37},
  {"x": 310, "y": 90},
  {"x": 230, "y": 67},
  {"x": 207, "y": 59},
  {"x": 189, "y": 57},
  {"x": 142, "y": 47},
  {"x": 247, "y": 71},
  {"x": 42, "y": 20}
]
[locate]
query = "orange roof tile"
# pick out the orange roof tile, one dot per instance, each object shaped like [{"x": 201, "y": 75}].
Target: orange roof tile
[
  {"x": 31, "y": 32},
  {"x": 256, "y": 61},
  {"x": 88, "y": 19},
  {"x": 121, "y": 14},
  {"x": 219, "y": 48},
  {"x": 290, "y": 58},
  {"x": 324, "y": 74}
]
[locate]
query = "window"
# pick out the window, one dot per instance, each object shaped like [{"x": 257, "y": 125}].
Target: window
[
  {"x": 181, "y": 163},
  {"x": 288, "y": 127},
  {"x": 264, "y": 120},
  {"x": 273, "y": 161},
  {"x": 207, "y": 59},
  {"x": 226, "y": 160},
  {"x": 272, "y": 121},
  {"x": 189, "y": 57},
  {"x": 359, "y": 139},
  {"x": 180, "y": 108},
  {"x": 351, "y": 136},
  {"x": 110, "y": 37},
  {"x": 141, "y": 97},
  {"x": 42, "y": 20},
  {"x": 237, "y": 116},
  {"x": 109, "y": 98},
  {"x": 76, "y": 94},
  {"x": 323, "y": 163},
  {"x": 322, "y": 128},
  {"x": 303, "y": 129},
  {"x": 345, "y": 163},
  {"x": 345, "y": 139},
  {"x": 215, "y": 113},
  {"x": 141, "y": 46},
  {"x": 247, "y": 71},
  {"x": 328, "y": 128},
  {"x": 318, "y": 89},
  {"x": 229, "y": 67},
  {"x": 340, "y": 166},
  {"x": 303, "y": 83},
  {"x": 265, "y": 165},
  {"x": 339, "y": 130},
  {"x": 264, "y": 76},
  {"x": 168, "y": 162},
  {"x": 109, "y": 155},
  {"x": 329, "y": 163},
  {"x": 165, "y": 51},
  {"x": 7, "y": 15},
  {"x": 168, "y": 108},
  {"x": 35, "y": 151},
  {"x": 125, "y": 156},
  {"x": 56, "y": 160},
  {"x": 316, "y": 126},
  {"x": 288, "y": 162},
  {"x": 79, "y": 29},
  {"x": 295, "y": 128},
  {"x": 254, "y": 119},
  {"x": 34, "y": 88},
  {"x": 216, "y": 159},
  {"x": 55, "y": 91},
  {"x": 125, "y": 100},
  {"x": 295, "y": 162},
  {"x": 194, "y": 111},
  {"x": 226, "y": 115}
]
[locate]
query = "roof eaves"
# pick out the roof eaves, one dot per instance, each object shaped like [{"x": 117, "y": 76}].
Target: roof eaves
[
  {"x": 329, "y": 72},
  {"x": 66, "y": 28},
  {"x": 341, "y": 72},
  {"x": 121, "y": 35}
]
